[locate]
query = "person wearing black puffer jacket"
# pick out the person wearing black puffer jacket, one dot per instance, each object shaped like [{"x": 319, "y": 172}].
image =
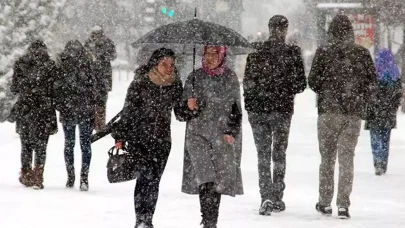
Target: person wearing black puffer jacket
[
  {"x": 145, "y": 127},
  {"x": 77, "y": 105},
  {"x": 34, "y": 112}
]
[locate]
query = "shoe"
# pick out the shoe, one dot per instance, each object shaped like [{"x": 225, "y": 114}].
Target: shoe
[
  {"x": 141, "y": 224},
  {"x": 70, "y": 183},
  {"x": 343, "y": 213},
  {"x": 84, "y": 183},
  {"x": 324, "y": 210},
  {"x": 26, "y": 177},
  {"x": 266, "y": 208},
  {"x": 279, "y": 206},
  {"x": 379, "y": 171},
  {"x": 38, "y": 182}
]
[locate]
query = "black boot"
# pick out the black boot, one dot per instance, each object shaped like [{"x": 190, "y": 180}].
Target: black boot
[
  {"x": 324, "y": 210},
  {"x": 84, "y": 182},
  {"x": 71, "y": 178},
  {"x": 209, "y": 201}
]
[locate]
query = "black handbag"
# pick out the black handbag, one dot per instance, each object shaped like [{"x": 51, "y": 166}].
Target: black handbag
[{"x": 121, "y": 166}]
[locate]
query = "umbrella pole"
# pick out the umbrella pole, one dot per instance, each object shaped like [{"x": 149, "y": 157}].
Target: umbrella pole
[{"x": 193, "y": 82}]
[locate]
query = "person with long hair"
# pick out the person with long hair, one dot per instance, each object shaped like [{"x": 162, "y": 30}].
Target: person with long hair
[
  {"x": 145, "y": 127},
  {"x": 76, "y": 103},
  {"x": 213, "y": 144},
  {"x": 34, "y": 112},
  {"x": 382, "y": 114}
]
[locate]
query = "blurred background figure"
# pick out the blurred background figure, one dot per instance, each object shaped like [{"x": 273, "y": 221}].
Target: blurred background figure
[
  {"x": 102, "y": 51},
  {"x": 382, "y": 113}
]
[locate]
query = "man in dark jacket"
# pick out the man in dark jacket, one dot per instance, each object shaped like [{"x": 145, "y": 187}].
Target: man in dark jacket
[
  {"x": 343, "y": 76},
  {"x": 102, "y": 51},
  {"x": 274, "y": 75}
]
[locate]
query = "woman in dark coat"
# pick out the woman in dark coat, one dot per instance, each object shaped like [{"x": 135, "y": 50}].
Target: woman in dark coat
[
  {"x": 34, "y": 112},
  {"x": 382, "y": 114},
  {"x": 76, "y": 104},
  {"x": 145, "y": 127},
  {"x": 213, "y": 144}
]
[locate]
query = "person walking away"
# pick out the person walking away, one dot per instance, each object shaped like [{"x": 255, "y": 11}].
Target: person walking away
[
  {"x": 102, "y": 51},
  {"x": 382, "y": 114},
  {"x": 273, "y": 76},
  {"x": 34, "y": 112},
  {"x": 344, "y": 78},
  {"x": 76, "y": 104},
  {"x": 213, "y": 145},
  {"x": 145, "y": 127}
]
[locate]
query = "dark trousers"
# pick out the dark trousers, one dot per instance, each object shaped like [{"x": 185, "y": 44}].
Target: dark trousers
[
  {"x": 85, "y": 130},
  {"x": 28, "y": 146},
  {"x": 210, "y": 201},
  {"x": 380, "y": 145},
  {"x": 271, "y": 132},
  {"x": 152, "y": 158}
]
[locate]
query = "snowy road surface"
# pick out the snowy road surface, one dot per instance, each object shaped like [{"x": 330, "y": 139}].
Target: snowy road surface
[{"x": 376, "y": 201}]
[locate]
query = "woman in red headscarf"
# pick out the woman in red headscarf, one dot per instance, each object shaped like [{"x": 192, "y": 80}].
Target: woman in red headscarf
[{"x": 213, "y": 142}]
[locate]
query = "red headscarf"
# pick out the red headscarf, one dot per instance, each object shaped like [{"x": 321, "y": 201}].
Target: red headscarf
[{"x": 222, "y": 59}]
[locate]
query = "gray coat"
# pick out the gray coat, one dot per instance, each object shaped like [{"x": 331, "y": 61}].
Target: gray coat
[{"x": 207, "y": 157}]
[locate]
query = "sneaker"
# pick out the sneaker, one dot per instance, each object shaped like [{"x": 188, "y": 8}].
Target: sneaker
[
  {"x": 266, "y": 208},
  {"x": 279, "y": 206},
  {"x": 343, "y": 213},
  {"x": 324, "y": 210}
]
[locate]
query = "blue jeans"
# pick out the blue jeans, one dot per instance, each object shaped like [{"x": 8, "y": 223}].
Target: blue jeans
[
  {"x": 85, "y": 131},
  {"x": 380, "y": 145}
]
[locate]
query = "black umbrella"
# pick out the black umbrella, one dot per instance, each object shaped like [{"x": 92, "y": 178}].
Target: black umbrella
[{"x": 187, "y": 37}]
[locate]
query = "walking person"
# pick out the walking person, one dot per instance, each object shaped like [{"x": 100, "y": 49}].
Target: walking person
[
  {"x": 102, "y": 51},
  {"x": 382, "y": 114},
  {"x": 213, "y": 145},
  {"x": 76, "y": 103},
  {"x": 344, "y": 78},
  {"x": 145, "y": 127},
  {"x": 34, "y": 112},
  {"x": 273, "y": 76}
]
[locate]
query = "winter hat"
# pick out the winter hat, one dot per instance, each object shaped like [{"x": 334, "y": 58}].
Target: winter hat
[
  {"x": 386, "y": 67},
  {"x": 278, "y": 22}
]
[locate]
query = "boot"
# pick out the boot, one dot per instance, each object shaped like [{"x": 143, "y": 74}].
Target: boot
[
  {"x": 26, "y": 177},
  {"x": 38, "y": 177},
  {"x": 84, "y": 182},
  {"x": 71, "y": 179},
  {"x": 209, "y": 201}
]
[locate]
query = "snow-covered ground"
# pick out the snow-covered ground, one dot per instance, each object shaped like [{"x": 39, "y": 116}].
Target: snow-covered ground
[{"x": 376, "y": 201}]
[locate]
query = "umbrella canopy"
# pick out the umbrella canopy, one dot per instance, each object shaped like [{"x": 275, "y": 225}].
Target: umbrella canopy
[{"x": 183, "y": 37}]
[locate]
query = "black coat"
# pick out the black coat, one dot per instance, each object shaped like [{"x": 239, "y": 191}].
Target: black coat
[
  {"x": 147, "y": 112},
  {"x": 102, "y": 50},
  {"x": 273, "y": 76},
  {"x": 33, "y": 82},
  {"x": 75, "y": 88},
  {"x": 382, "y": 113},
  {"x": 344, "y": 77}
]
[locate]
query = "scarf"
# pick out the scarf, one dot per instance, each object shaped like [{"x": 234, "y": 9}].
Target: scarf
[{"x": 159, "y": 79}]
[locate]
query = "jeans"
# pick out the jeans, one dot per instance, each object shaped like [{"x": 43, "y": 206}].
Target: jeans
[
  {"x": 380, "y": 145},
  {"x": 85, "y": 131},
  {"x": 271, "y": 132}
]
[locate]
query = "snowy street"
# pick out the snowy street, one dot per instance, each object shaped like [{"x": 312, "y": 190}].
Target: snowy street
[{"x": 376, "y": 201}]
